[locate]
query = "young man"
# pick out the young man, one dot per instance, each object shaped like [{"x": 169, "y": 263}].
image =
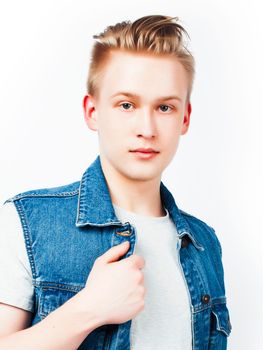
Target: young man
[{"x": 110, "y": 262}]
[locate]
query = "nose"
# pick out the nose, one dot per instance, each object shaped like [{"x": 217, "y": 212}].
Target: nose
[{"x": 145, "y": 124}]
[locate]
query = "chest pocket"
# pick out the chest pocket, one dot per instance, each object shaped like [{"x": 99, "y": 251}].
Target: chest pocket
[
  {"x": 220, "y": 327},
  {"x": 52, "y": 298}
]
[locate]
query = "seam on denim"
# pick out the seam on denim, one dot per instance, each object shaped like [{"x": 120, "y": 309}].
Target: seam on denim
[
  {"x": 198, "y": 274},
  {"x": 80, "y": 191},
  {"x": 220, "y": 327},
  {"x": 196, "y": 244},
  {"x": 58, "y": 194},
  {"x": 198, "y": 222},
  {"x": 189, "y": 295},
  {"x": 201, "y": 307},
  {"x": 110, "y": 223},
  {"x": 217, "y": 301},
  {"x": 57, "y": 286},
  {"x": 27, "y": 237}
]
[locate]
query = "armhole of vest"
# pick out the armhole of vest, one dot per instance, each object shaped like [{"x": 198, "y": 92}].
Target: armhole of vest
[{"x": 27, "y": 237}]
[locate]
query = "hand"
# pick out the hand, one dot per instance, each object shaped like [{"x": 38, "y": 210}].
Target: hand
[{"x": 116, "y": 288}]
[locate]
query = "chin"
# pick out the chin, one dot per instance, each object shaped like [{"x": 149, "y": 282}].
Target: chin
[{"x": 142, "y": 175}]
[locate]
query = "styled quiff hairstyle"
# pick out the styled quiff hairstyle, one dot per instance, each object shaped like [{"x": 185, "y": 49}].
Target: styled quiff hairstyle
[{"x": 156, "y": 34}]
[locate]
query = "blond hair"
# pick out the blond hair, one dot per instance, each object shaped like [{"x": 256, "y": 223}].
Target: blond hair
[{"x": 160, "y": 35}]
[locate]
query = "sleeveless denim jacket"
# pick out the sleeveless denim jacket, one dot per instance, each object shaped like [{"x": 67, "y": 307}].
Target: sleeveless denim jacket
[{"x": 66, "y": 228}]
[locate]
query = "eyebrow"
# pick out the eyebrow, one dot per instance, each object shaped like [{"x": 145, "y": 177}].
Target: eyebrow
[{"x": 132, "y": 95}]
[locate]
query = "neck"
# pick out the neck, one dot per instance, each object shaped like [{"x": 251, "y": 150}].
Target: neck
[{"x": 138, "y": 196}]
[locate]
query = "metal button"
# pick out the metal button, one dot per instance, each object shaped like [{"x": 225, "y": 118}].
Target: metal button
[
  {"x": 124, "y": 233},
  {"x": 184, "y": 242},
  {"x": 206, "y": 298}
]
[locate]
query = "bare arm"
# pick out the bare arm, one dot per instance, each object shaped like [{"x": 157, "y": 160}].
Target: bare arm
[
  {"x": 64, "y": 328},
  {"x": 71, "y": 323},
  {"x": 13, "y": 319}
]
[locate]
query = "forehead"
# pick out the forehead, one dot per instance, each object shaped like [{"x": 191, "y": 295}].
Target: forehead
[{"x": 144, "y": 74}]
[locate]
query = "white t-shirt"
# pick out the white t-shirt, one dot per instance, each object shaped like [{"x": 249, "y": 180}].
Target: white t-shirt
[
  {"x": 15, "y": 273},
  {"x": 165, "y": 321}
]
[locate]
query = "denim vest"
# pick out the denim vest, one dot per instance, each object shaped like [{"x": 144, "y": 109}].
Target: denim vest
[{"x": 66, "y": 228}]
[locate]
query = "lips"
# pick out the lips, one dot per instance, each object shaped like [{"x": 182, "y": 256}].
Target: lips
[{"x": 145, "y": 150}]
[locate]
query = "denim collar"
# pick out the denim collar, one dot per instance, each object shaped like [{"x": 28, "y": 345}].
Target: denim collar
[{"x": 95, "y": 206}]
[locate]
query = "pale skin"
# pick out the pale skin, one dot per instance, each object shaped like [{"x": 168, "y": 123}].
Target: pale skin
[
  {"x": 123, "y": 123},
  {"x": 134, "y": 184}
]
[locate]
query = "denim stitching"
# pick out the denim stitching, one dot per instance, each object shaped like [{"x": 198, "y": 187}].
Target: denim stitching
[
  {"x": 28, "y": 242},
  {"x": 58, "y": 194},
  {"x": 57, "y": 286}
]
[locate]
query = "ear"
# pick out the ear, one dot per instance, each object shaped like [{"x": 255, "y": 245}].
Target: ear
[
  {"x": 90, "y": 113},
  {"x": 186, "y": 120}
]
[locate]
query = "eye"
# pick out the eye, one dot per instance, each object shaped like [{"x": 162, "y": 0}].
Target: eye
[
  {"x": 126, "y": 105},
  {"x": 165, "y": 108}
]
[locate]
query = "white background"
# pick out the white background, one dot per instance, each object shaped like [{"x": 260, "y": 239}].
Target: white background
[{"x": 217, "y": 171}]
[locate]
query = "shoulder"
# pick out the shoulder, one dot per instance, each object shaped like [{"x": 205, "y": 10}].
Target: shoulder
[
  {"x": 8, "y": 215},
  {"x": 195, "y": 221},
  {"x": 68, "y": 190},
  {"x": 203, "y": 232}
]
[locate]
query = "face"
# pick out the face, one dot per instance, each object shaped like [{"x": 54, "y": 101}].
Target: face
[{"x": 141, "y": 104}]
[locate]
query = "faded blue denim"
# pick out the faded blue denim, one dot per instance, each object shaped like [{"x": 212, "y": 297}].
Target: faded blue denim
[{"x": 68, "y": 227}]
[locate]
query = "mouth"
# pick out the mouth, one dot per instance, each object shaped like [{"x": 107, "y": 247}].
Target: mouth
[
  {"x": 145, "y": 153},
  {"x": 145, "y": 150}
]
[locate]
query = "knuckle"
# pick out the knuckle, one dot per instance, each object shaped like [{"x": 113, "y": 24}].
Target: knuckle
[
  {"x": 139, "y": 276},
  {"x": 134, "y": 258}
]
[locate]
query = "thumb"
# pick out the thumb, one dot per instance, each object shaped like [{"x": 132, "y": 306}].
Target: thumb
[{"x": 114, "y": 253}]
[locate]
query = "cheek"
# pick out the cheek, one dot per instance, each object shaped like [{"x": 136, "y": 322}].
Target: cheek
[
  {"x": 110, "y": 136},
  {"x": 110, "y": 121},
  {"x": 171, "y": 132},
  {"x": 172, "y": 141}
]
